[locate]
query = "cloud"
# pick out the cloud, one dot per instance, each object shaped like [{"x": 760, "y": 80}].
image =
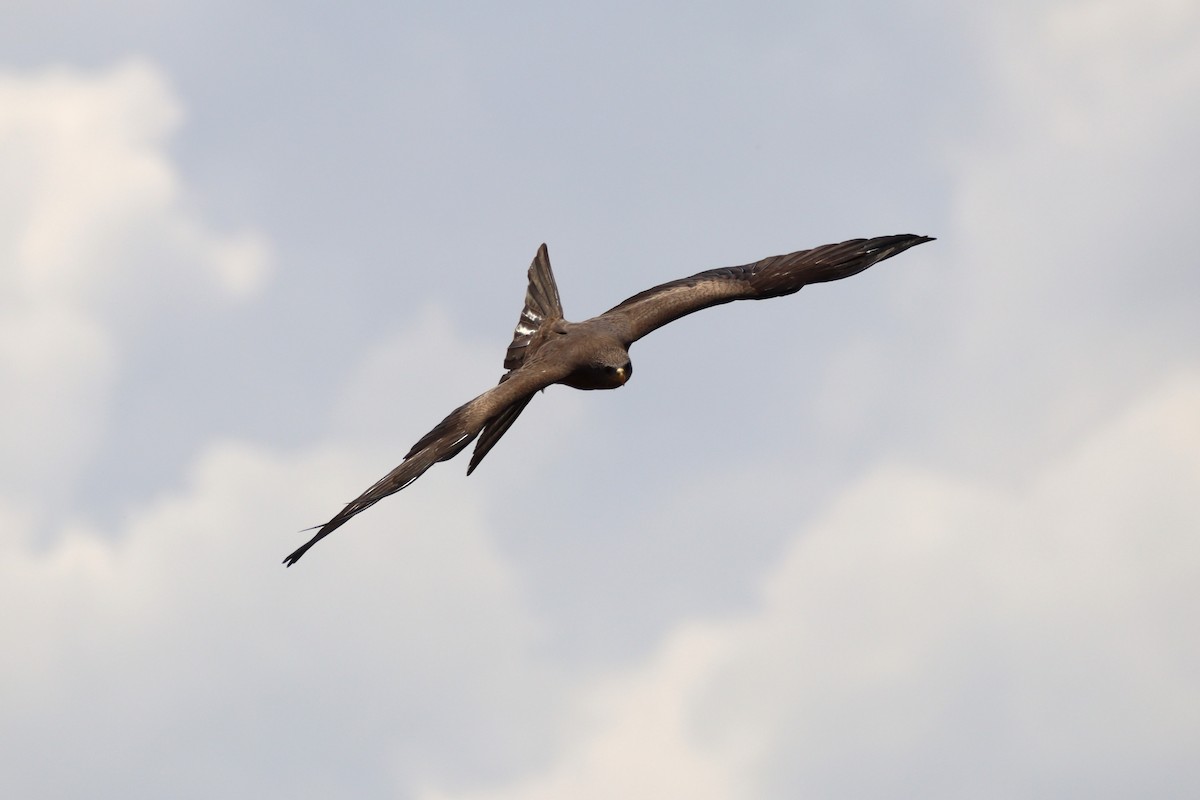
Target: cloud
[
  {"x": 103, "y": 222},
  {"x": 98, "y": 240},
  {"x": 931, "y": 636},
  {"x": 176, "y": 638},
  {"x": 962, "y": 639},
  {"x": 173, "y": 652},
  {"x": 59, "y": 366},
  {"x": 1057, "y": 290},
  {"x": 150, "y": 655},
  {"x": 635, "y": 738}
]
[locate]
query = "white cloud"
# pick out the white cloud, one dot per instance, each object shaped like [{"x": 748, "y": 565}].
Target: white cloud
[
  {"x": 636, "y": 736},
  {"x": 964, "y": 640},
  {"x": 97, "y": 240},
  {"x": 404, "y": 642},
  {"x": 58, "y": 367},
  {"x": 928, "y": 636},
  {"x": 1059, "y": 292},
  {"x": 405, "y": 646},
  {"x": 101, "y": 218}
]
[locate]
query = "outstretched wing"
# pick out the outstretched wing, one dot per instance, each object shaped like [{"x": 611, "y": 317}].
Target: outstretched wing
[
  {"x": 542, "y": 309},
  {"x": 444, "y": 442},
  {"x": 771, "y": 277}
]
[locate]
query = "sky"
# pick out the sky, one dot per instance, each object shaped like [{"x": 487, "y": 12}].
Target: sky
[{"x": 932, "y": 531}]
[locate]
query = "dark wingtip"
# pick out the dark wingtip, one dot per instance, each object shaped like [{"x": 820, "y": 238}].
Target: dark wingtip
[
  {"x": 295, "y": 556},
  {"x": 894, "y": 245},
  {"x": 833, "y": 262},
  {"x": 907, "y": 239}
]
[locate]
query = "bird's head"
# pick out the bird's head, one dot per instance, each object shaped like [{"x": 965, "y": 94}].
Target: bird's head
[
  {"x": 604, "y": 368},
  {"x": 612, "y": 368},
  {"x": 622, "y": 373}
]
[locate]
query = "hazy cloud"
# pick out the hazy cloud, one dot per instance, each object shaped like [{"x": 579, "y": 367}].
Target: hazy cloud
[
  {"x": 931, "y": 636},
  {"x": 98, "y": 239}
]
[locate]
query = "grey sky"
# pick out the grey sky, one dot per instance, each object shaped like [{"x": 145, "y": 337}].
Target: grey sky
[{"x": 929, "y": 531}]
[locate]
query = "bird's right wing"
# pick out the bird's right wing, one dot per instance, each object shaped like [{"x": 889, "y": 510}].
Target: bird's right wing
[
  {"x": 771, "y": 277},
  {"x": 445, "y": 441}
]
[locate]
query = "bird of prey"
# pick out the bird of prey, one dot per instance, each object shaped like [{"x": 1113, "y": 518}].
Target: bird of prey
[{"x": 546, "y": 349}]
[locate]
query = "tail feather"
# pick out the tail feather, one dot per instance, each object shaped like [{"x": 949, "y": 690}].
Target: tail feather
[{"x": 496, "y": 427}]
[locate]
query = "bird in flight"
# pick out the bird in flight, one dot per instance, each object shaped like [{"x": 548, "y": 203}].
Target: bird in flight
[{"x": 546, "y": 349}]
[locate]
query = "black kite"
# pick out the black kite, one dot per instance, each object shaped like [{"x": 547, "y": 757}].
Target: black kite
[{"x": 546, "y": 349}]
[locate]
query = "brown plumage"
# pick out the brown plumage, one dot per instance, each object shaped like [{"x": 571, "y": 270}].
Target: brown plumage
[{"x": 546, "y": 349}]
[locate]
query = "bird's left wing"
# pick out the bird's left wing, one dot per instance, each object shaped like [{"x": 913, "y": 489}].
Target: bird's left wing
[
  {"x": 542, "y": 308},
  {"x": 770, "y": 277},
  {"x": 445, "y": 441}
]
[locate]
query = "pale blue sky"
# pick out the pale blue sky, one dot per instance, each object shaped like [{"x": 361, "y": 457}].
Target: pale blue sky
[{"x": 930, "y": 531}]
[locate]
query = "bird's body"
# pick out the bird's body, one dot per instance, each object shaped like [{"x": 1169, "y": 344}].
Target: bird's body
[{"x": 594, "y": 354}]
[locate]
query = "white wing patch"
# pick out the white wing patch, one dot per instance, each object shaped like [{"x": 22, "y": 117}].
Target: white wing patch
[{"x": 529, "y": 322}]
